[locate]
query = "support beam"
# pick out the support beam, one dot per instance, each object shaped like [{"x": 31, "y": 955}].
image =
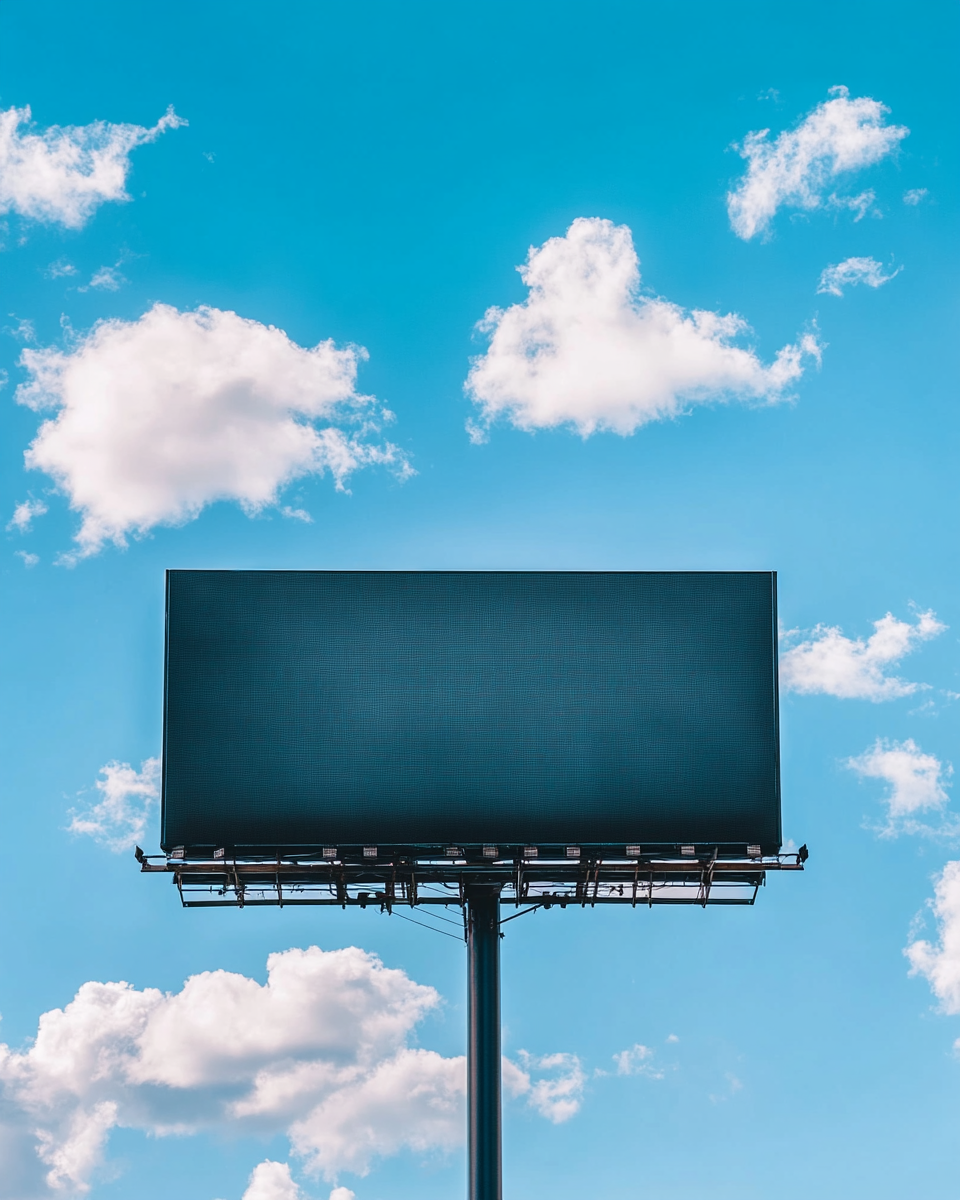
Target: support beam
[{"x": 483, "y": 1043}]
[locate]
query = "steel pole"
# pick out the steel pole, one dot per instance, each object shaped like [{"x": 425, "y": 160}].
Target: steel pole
[{"x": 483, "y": 1043}]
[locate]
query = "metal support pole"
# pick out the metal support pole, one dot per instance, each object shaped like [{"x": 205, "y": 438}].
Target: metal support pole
[{"x": 483, "y": 1043}]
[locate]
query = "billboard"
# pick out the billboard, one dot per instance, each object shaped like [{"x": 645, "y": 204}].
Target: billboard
[{"x": 419, "y": 711}]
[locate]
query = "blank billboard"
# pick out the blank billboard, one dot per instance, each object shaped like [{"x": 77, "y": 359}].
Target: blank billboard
[{"x": 417, "y": 710}]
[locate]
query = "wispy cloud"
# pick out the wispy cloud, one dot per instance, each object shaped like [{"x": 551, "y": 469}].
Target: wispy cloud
[
  {"x": 917, "y": 783},
  {"x": 558, "y": 1092},
  {"x": 65, "y": 173},
  {"x": 24, "y": 514},
  {"x": 106, "y": 279},
  {"x": 851, "y": 272},
  {"x": 797, "y": 169},
  {"x": 60, "y": 269},
  {"x": 586, "y": 349},
  {"x": 637, "y": 1060},
  {"x": 834, "y": 665},
  {"x": 914, "y": 196},
  {"x": 159, "y": 417}
]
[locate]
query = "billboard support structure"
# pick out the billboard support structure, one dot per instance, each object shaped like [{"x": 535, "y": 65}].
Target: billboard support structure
[{"x": 483, "y": 1043}]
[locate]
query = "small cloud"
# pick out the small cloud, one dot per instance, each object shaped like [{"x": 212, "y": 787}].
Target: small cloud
[
  {"x": 296, "y": 514},
  {"x": 23, "y": 331},
  {"x": 342, "y": 1193},
  {"x": 59, "y": 269},
  {"x": 23, "y": 515},
  {"x": 916, "y": 782},
  {"x": 129, "y": 798},
  {"x": 209, "y": 155},
  {"x": 734, "y": 1085},
  {"x": 272, "y": 1181},
  {"x": 637, "y": 1061},
  {"x": 796, "y": 168},
  {"x": 859, "y": 205},
  {"x": 64, "y": 173},
  {"x": 557, "y": 1096},
  {"x": 852, "y": 271},
  {"x": 827, "y": 663},
  {"x": 672, "y": 1037},
  {"x": 107, "y": 279},
  {"x": 770, "y": 94},
  {"x": 914, "y": 196},
  {"x": 29, "y": 560}
]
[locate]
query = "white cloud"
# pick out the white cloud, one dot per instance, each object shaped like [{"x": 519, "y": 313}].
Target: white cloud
[
  {"x": 60, "y": 269},
  {"x": 107, "y": 279},
  {"x": 917, "y": 782},
  {"x": 558, "y": 1095},
  {"x": 851, "y": 272},
  {"x": 24, "y": 514},
  {"x": 796, "y": 169},
  {"x": 129, "y": 799},
  {"x": 65, "y": 173},
  {"x": 940, "y": 964},
  {"x": 342, "y": 1193},
  {"x": 272, "y": 1181},
  {"x": 834, "y": 665},
  {"x": 587, "y": 349},
  {"x": 161, "y": 416},
  {"x": 637, "y": 1061},
  {"x": 914, "y": 195},
  {"x": 29, "y": 560},
  {"x": 320, "y": 1051}
]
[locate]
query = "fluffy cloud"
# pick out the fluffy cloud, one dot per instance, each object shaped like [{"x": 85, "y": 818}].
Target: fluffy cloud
[
  {"x": 917, "y": 782},
  {"x": 272, "y": 1181},
  {"x": 321, "y": 1051},
  {"x": 851, "y": 272},
  {"x": 940, "y": 964},
  {"x": 587, "y": 349},
  {"x": 24, "y": 514},
  {"x": 798, "y": 167},
  {"x": 65, "y": 173},
  {"x": 835, "y": 665},
  {"x": 158, "y": 417},
  {"x": 327, "y": 1029},
  {"x": 129, "y": 798}
]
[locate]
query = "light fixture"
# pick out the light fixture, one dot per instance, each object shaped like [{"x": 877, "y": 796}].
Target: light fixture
[
  {"x": 453, "y": 852},
  {"x": 491, "y": 852},
  {"x": 753, "y": 852},
  {"x": 220, "y": 852},
  {"x": 530, "y": 852},
  {"x": 177, "y": 852},
  {"x": 573, "y": 852},
  {"x": 369, "y": 852},
  {"x": 329, "y": 852},
  {"x": 634, "y": 851},
  {"x": 688, "y": 851}
]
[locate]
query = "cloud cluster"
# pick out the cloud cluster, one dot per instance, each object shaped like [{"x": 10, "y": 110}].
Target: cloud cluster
[
  {"x": 916, "y": 782},
  {"x": 834, "y": 665},
  {"x": 586, "y": 349},
  {"x": 940, "y": 963},
  {"x": 800, "y": 166},
  {"x": 320, "y": 1050},
  {"x": 851, "y": 272},
  {"x": 65, "y": 173},
  {"x": 158, "y": 417},
  {"x": 24, "y": 514},
  {"x": 128, "y": 801}
]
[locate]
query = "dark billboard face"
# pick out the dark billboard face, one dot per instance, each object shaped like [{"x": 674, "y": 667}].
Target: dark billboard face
[{"x": 420, "y": 710}]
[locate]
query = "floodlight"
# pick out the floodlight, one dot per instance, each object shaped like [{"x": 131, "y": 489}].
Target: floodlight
[
  {"x": 634, "y": 851},
  {"x": 491, "y": 852},
  {"x": 369, "y": 852},
  {"x": 688, "y": 851},
  {"x": 530, "y": 851},
  {"x": 573, "y": 852},
  {"x": 329, "y": 852},
  {"x": 220, "y": 852},
  {"x": 754, "y": 852}
]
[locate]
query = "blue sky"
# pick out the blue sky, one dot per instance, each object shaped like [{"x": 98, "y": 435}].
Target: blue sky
[{"x": 374, "y": 174}]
